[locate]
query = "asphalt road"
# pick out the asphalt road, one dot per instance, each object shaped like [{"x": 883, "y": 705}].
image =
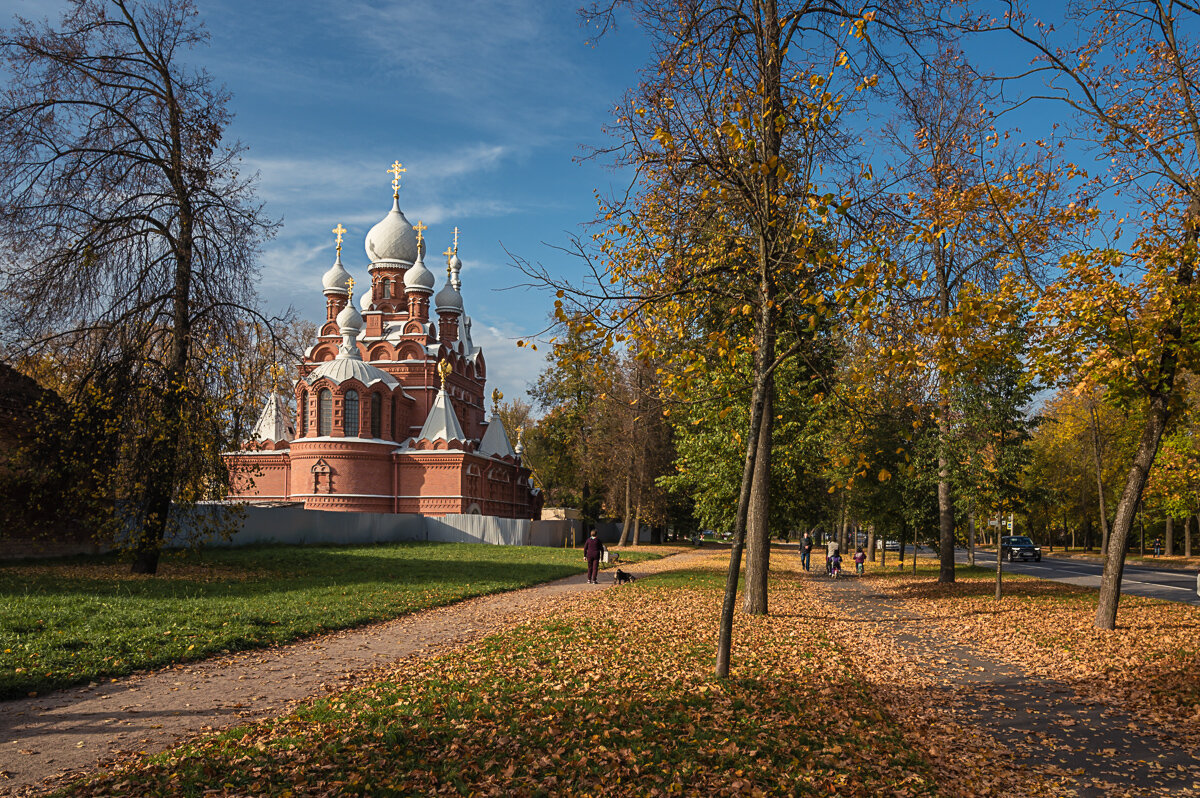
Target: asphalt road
[{"x": 1138, "y": 580}]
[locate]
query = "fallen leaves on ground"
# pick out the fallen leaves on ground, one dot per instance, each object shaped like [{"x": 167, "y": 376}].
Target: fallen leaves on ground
[
  {"x": 1148, "y": 664},
  {"x": 609, "y": 694}
]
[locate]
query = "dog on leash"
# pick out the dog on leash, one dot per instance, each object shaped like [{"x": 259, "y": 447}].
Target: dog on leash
[{"x": 620, "y": 577}]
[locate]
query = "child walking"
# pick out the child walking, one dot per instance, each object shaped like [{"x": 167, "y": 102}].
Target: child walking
[
  {"x": 860, "y": 560},
  {"x": 835, "y": 564}
]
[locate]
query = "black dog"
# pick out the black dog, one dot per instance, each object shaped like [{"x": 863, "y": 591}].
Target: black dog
[{"x": 620, "y": 577}]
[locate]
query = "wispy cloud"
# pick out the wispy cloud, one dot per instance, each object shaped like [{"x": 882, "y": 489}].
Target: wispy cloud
[{"x": 514, "y": 370}]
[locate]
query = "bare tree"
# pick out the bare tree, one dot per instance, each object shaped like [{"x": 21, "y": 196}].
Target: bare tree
[{"x": 121, "y": 205}]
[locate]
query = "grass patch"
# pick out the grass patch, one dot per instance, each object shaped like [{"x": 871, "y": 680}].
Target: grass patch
[
  {"x": 609, "y": 695},
  {"x": 76, "y": 620}
]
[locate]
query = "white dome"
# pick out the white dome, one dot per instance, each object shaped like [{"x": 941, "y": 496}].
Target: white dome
[
  {"x": 349, "y": 319},
  {"x": 448, "y": 299},
  {"x": 392, "y": 239},
  {"x": 418, "y": 278},
  {"x": 337, "y": 279},
  {"x": 365, "y": 302},
  {"x": 345, "y": 368}
]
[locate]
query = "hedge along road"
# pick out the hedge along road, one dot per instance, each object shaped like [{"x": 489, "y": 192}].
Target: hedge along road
[{"x": 1138, "y": 580}]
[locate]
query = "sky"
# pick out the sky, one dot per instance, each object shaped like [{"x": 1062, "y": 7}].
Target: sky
[{"x": 488, "y": 104}]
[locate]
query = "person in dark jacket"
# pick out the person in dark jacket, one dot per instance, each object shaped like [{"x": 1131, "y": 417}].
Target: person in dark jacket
[{"x": 592, "y": 549}]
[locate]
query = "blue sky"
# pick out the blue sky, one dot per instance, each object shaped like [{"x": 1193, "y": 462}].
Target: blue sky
[{"x": 487, "y": 103}]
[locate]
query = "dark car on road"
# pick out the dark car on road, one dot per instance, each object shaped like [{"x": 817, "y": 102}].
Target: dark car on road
[{"x": 1020, "y": 547}]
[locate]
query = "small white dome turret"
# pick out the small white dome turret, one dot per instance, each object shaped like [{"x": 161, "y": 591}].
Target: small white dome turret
[
  {"x": 365, "y": 302},
  {"x": 448, "y": 300},
  {"x": 418, "y": 278},
  {"x": 349, "y": 319},
  {"x": 337, "y": 279},
  {"x": 349, "y": 323}
]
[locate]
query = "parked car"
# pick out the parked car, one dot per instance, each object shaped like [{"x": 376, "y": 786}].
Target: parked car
[
  {"x": 1020, "y": 547},
  {"x": 888, "y": 545}
]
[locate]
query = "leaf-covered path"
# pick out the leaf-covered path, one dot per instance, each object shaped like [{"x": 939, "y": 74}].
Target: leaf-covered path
[
  {"x": 77, "y": 730},
  {"x": 1067, "y": 742}
]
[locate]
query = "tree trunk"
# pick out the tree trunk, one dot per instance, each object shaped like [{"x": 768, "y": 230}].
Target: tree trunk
[
  {"x": 971, "y": 540},
  {"x": 1114, "y": 561},
  {"x": 1187, "y": 536},
  {"x": 162, "y": 465},
  {"x": 945, "y": 508},
  {"x": 725, "y": 634},
  {"x": 1099, "y": 478},
  {"x": 763, "y": 357},
  {"x": 758, "y": 531},
  {"x": 871, "y": 542},
  {"x": 625, "y": 522},
  {"x": 1170, "y": 536},
  {"x": 999, "y": 565},
  {"x": 637, "y": 523}
]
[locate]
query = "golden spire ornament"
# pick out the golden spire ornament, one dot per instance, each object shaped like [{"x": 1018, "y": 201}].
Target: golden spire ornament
[
  {"x": 350, "y": 282},
  {"x": 339, "y": 231},
  {"x": 420, "y": 227},
  {"x": 448, "y": 253},
  {"x": 456, "y": 241},
  {"x": 444, "y": 368},
  {"x": 497, "y": 397},
  {"x": 395, "y": 172}
]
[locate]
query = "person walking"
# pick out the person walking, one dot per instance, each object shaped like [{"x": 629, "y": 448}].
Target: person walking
[
  {"x": 592, "y": 550},
  {"x": 806, "y": 547},
  {"x": 860, "y": 561},
  {"x": 1158, "y": 547}
]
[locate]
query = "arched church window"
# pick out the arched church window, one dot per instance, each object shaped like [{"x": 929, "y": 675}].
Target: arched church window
[
  {"x": 387, "y": 289},
  {"x": 302, "y": 414},
  {"x": 376, "y": 416},
  {"x": 324, "y": 412},
  {"x": 351, "y": 426}
]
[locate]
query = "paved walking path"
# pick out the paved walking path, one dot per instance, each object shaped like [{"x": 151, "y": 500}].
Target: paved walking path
[
  {"x": 1091, "y": 749},
  {"x": 80, "y": 729}
]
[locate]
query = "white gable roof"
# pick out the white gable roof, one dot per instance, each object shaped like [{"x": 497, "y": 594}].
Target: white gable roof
[
  {"x": 274, "y": 423},
  {"x": 495, "y": 439},
  {"x": 441, "y": 424}
]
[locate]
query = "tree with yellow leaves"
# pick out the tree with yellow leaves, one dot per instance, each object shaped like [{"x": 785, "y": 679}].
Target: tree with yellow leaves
[
  {"x": 1123, "y": 314},
  {"x": 968, "y": 225},
  {"x": 735, "y": 135}
]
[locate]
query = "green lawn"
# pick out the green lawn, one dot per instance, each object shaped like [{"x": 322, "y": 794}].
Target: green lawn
[{"x": 75, "y": 620}]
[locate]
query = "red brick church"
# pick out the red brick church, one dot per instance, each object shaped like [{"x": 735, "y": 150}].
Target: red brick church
[{"x": 389, "y": 401}]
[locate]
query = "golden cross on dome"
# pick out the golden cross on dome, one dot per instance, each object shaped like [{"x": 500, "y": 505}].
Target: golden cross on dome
[
  {"x": 456, "y": 241},
  {"x": 448, "y": 253},
  {"x": 420, "y": 227},
  {"x": 444, "y": 368},
  {"x": 395, "y": 172},
  {"x": 351, "y": 288},
  {"x": 339, "y": 231},
  {"x": 497, "y": 396}
]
